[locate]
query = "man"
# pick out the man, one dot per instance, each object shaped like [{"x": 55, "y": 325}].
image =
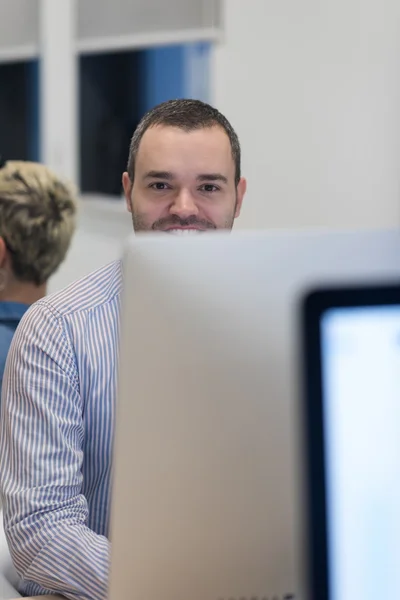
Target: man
[{"x": 58, "y": 406}]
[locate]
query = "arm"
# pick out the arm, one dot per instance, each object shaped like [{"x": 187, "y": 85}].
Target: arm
[{"x": 41, "y": 454}]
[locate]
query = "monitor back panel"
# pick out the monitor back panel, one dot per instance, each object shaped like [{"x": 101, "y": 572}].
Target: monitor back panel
[{"x": 208, "y": 477}]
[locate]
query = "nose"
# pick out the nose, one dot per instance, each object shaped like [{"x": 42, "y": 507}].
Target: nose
[{"x": 184, "y": 205}]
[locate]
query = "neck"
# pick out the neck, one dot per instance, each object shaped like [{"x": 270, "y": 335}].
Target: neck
[{"x": 26, "y": 293}]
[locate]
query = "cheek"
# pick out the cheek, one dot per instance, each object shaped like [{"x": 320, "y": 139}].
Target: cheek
[
  {"x": 221, "y": 214},
  {"x": 148, "y": 209},
  {"x": 219, "y": 209}
]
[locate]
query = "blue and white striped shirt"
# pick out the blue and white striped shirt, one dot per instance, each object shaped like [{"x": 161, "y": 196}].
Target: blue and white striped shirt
[{"x": 56, "y": 435}]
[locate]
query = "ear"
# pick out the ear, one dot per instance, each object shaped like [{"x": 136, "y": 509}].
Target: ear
[
  {"x": 3, "y": 253},
  {"x": 127, "y": 185},
  {"x": 240, "y": 192}
]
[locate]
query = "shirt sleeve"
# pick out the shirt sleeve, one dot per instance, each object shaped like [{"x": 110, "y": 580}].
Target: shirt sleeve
[{"x": 41, "y": 455}]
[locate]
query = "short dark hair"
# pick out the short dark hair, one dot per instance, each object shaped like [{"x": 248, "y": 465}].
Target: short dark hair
[{"x": 187, "y": 115}]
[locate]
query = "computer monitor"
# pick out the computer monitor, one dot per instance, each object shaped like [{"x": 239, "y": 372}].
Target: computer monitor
[
  {"x": 352, "y": 408},
  {"x": 206, "y": 500}
]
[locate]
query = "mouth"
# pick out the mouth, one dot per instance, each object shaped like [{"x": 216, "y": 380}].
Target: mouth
[{"x": 184, "y": 231}]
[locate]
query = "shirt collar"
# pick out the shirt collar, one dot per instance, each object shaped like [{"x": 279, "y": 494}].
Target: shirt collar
[{"x": 12, "y": 311}]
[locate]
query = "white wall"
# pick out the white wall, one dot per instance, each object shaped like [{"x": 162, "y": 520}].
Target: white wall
[
  {"x": 19, "y": 29},
  {"x": 58, "y": 75},
  {"x": 313, "y": 88}
]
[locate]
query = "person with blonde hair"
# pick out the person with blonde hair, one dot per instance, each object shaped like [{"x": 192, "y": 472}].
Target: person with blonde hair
[{"x": 37, "y": 221}]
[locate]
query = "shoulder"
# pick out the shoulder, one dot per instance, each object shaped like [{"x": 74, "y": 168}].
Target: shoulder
[
  {"x": 53, "y": 331},
  {"x": 57, "y": 323},
  {"x": 87, "y": 294}
]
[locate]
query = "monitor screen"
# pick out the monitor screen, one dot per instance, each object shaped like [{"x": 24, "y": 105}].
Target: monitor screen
[{"x": 361, "y": 418}]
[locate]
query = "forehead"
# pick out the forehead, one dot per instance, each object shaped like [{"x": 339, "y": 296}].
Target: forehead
[{"x": 171, "y": 149}]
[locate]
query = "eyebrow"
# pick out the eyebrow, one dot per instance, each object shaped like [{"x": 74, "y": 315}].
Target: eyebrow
[
  {"x": 158, "y": 175},
  {"x": 167, "y": 175},
  {"x": 212, "y": 177}
]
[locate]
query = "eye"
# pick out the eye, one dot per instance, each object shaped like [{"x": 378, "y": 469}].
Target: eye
[
  {"x": 209, "y": 188},
  {"x": 159, "y": 185}
]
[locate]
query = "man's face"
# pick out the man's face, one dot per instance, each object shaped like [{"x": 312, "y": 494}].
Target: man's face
[{"x": 184, "y": 181}]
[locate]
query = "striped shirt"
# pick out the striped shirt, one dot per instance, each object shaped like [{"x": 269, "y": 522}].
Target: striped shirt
[{"x": 56, "y": 434}]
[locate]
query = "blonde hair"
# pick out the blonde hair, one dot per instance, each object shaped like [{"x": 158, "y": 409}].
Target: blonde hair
[{"x": 37, "y": 219}]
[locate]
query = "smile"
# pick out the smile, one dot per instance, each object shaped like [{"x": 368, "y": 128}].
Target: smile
[{"x": 184, "y": 231}]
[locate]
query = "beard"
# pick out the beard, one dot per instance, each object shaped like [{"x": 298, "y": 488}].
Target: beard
[
  {"x": 141, "y": 223},
  {"x": 171, "y": 222}
]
